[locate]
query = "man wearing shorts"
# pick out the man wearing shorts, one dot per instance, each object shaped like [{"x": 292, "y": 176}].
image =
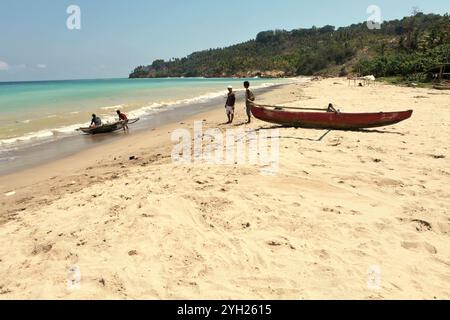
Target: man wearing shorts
[
  {"x": 123, "y": 117},
  {"x": 229, "y": 106},
  {"x": 249, "y": 98}
]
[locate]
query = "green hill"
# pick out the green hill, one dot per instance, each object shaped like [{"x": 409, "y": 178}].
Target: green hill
[{"x": 400, "y": 48}]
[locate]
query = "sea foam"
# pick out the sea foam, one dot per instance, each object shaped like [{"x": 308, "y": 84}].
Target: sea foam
[{"x": 42, "y": 136}]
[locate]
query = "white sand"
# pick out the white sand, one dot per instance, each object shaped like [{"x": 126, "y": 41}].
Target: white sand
[{"x": 340, "y": 211}]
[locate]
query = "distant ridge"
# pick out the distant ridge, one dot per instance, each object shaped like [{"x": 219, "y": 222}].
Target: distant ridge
[{"x": 400, "y": 48}]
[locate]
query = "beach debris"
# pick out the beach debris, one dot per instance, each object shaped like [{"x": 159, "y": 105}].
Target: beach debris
[
  {"x": 377, "y": 160},
  {"x": 132, "y": 253},
  {"x": 81, "y": 243},
  {"x": 133, "y": 158},
  {"x": 102, "y": 282},
  {"x": 422, "y": 225},
  {"x": 246, "y": 225},
  {"x": 279, "y": 244},
  {"x": 9, "y": 194},
  {"x": 440, "y": 156},
  {"x": 125, "y": 197}
]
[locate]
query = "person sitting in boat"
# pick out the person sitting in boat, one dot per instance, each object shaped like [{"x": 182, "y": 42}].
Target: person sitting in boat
[
  {"x": 96, "y": 121},
  {"x": 229, "y": 106},
  {"x": 123, "y": 117}
]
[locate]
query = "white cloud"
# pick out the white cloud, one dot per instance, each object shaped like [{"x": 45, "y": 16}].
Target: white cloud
[
  {"x": 3, "y": 65},
  {"x": 41, "y": 66}
]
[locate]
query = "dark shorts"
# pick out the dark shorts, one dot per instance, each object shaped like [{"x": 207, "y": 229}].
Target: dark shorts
[{"x": 249, "y": 110}]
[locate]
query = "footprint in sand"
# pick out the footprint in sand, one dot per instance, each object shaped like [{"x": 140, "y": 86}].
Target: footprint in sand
[
  {"x": 41, "y": 248},
  {"x": 444, "y": 227},
  {"x": 419, "y": 246}
]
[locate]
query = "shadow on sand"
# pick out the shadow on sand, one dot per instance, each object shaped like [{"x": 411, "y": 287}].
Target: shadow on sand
[{"x": 326, "y": 133}]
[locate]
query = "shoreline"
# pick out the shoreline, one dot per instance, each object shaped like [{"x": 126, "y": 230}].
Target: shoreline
[
  {"x": 30, "y": 122},
  {"x": 31, "y": 156},
  {"x": 83, "y": 156},
  {"x": 341, "y": 208}
]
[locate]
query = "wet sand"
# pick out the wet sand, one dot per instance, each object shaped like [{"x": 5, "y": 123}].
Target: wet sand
[{"x": 60, "y": 148}]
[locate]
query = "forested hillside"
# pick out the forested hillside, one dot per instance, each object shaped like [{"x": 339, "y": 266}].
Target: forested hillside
[{"x": 400, "y": 48}]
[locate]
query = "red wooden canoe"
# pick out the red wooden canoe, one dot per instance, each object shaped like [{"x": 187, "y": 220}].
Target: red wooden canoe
[{"x": 328, "y": 120}]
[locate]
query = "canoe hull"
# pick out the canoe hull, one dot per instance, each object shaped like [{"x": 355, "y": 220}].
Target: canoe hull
[
  {"x": 329, "y": 120},
  {"x": 108, "y": 128}
]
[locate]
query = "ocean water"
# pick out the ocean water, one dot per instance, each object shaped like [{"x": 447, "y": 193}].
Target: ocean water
[{"x": 33, "y": 112}]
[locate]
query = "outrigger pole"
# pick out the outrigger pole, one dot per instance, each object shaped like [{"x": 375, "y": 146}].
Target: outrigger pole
[{"x": 291, "y": 108}]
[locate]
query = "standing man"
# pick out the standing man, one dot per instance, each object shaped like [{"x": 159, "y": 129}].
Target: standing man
[
  {"x": 123, "y": 117},
  {"x": 249, "y": 97},
  {"x": 229, "y": 106}
]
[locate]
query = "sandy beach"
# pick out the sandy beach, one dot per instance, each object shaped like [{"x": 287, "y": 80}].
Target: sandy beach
[{"x": 349, "y": 215}]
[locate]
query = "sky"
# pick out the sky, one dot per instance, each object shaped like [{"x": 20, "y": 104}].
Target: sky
[{"x": 118, "y": 35}]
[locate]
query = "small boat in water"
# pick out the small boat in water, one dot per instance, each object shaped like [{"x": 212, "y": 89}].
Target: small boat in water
[
  {"x": 333, "y": 120},
  {"x": 108, "y": 128}
]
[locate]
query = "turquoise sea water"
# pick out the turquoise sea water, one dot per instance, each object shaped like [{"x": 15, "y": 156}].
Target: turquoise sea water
[{"x": 30, "y": 111}]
